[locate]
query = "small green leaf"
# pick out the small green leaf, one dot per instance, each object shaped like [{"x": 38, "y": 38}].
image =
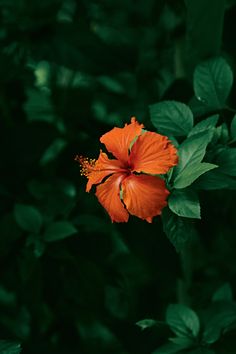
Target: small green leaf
[
  {"x": 185, "y": 203},
  {"x": 182, "y": 320},
  {"x": 7, "y": 347},
  {"x": 179, "y": 230},
  {"x": 192, "y": 150},
  {"x": 226, "y": 160},
  {"x": 148, "y": 322},
  {"x": 191, "y": 153},
  {"x": 204, "y": 125},
  {"x": 213, "y": 80},
  {"x": 59, "y": 230},
  {"x": 233, "y": 129},
  {"x": 28, "y": 217},
  {"x": 224, "y": 293},
  {"x": 191, "y": 173},
  {"x": 171, "y": 118}
]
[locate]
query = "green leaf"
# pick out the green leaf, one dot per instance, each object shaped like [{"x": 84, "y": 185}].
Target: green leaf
[
  {"x": 202, "y": 350},
  {"x": 221, "y": 135},
  {"x": 218, "y": 323},
  {"x": 59, "y": 230},
  {"x": 182, "y": 320},
  {"x": 185, "y": 203},
  {"x": 191, "y": 173},
  {"x": 226, "y": 160},
  {"x": 183, "y": 341},
  {"x": 179, "y": 230},
  {"x": 192, "y": 150},
  {"x": 204, "y": 22},
  {"x": 191, "y": 153},
  {"x": 53, "y": 151},
  {"x": 214, "y": 179},
  {"x": 224, "y": 293},
  {"x": 204, "y": 125},
  {"x": 171, "y": 118},
  {"x": 38, "y": 106},
  {"x": 148, "y": 322},
  {"x": 213, "y": 80},
  {"x": 28, "y": 217},
  {"x": 233, "y": 129},
  {"x": 169, "y": 348},
  {"x": 111, "y": 84},
  {"x": 7, "y": 347}
]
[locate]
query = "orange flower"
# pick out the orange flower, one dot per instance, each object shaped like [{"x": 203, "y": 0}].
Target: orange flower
[{"x": 131, "y": 187}]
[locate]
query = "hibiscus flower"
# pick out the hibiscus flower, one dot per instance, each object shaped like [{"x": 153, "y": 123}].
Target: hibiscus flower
[{"x": 128, "y": 184}]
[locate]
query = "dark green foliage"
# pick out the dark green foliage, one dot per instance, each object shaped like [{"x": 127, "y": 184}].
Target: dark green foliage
[{"x": 71, "y": 281}]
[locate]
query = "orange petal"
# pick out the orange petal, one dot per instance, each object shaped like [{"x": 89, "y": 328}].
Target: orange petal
[
  {"x": 96, "y": 171},
  {"x": 118, "y": 140},
  {"x": 108, "y": 194},
  {"x": 153, "y": 153},
  {"x": 144, "y": 196}
]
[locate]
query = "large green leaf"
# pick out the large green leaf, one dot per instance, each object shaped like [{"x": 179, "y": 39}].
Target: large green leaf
[
  {"x": 185, "y": 203},
  {"x": 182, "y": 320},
  {"x": 204, "y": 125},
  {"x": 28, "y": 217},
  {"x": 227, "y": 161},
  {"x": 191, "y": 173},
  {"x": 7, "y": 347},
  {"x": 59, "y": 230},
  {"x": 213, "y": 80},
  {"x": 179, "y": 230},
  {"x": 171, "y": 118}
]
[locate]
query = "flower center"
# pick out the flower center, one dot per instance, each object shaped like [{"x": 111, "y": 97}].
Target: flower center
[{"x": 87, "y": 166}]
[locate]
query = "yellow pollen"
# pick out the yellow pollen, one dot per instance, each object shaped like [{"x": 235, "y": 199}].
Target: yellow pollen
[{"x": 87, "y": 166}]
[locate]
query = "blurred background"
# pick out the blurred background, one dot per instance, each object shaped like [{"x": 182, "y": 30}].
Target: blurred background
[{"x": 70, "y": 70}]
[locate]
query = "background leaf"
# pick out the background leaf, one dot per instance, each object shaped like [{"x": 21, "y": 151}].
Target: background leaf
[
  {"x": 224, "y": 293},
  {"x": 226, "y": 161},
  {"x": 214, "y": 179},
  {"x": 7, "y": 347},
  {"x": 233, "y": 128},
  {"x": 59, "y": 230},
  {"x": 205, "y": 40},
  {"x": 28, "y": 217}
]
